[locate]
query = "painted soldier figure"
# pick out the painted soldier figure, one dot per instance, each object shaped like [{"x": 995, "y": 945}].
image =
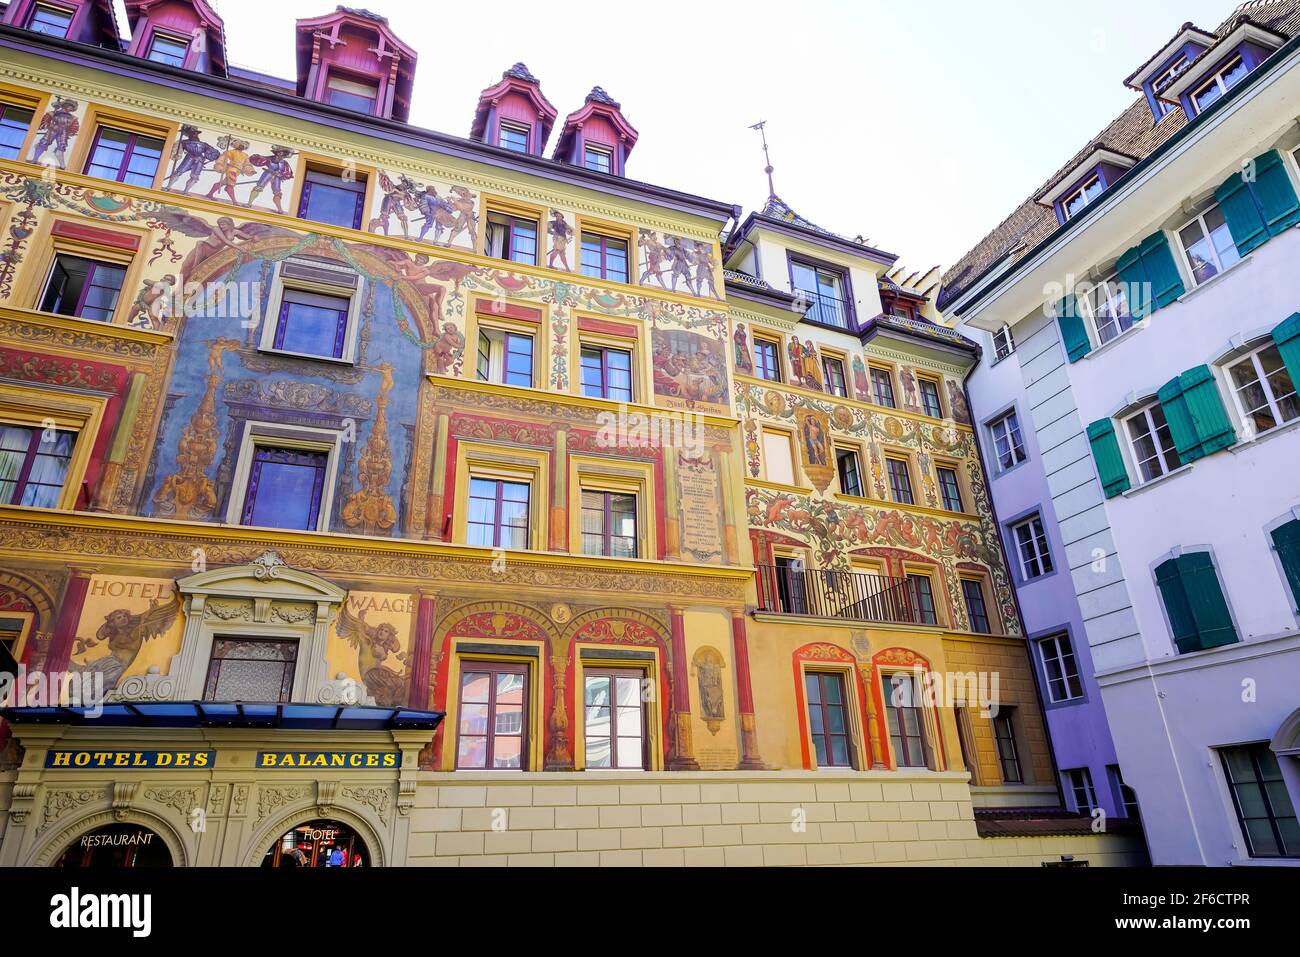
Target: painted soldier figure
[
  {"x": 680, "y": 259},
  {"x": 431, "y": 207},
  {"x": 192, "y": 155},
  {"x": 560, "y": 232},
  {"x": 741, "y": 343},
  {"x": 398, "y": 198},
  {"x": 655, "y": 254},
  {"x": 232, "y": 163},
  {"x": 703, "y": 258},
  {"x": 276, "y": 170},
  {"x": 58, "y": 127}
]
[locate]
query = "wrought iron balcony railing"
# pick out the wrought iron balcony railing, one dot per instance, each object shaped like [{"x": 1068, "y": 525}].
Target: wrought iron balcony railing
[
  {"x": 855, "y": 596},
  {"x": 824, "y": 309}
]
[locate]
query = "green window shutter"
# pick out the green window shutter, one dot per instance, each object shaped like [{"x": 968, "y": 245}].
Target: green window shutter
[
  {"x": 1133, "y": 274},
  {"x": 1169, "y": 580},
  {"x": 1181, "y": 427},
  {"x": 1074, "y": 334},
  {"x": 1286, "y": 539},
  {"x": 1287, "y": 338},
  {"x": 1205, "y": 403},
  {"x": 1162, "y": 272},
  {"x": 1274, "y": 193},
  {"x": 1237, "y": 203},
  {"x": 1105, "y": 452},
  {"x": 1205, "y": 599}
]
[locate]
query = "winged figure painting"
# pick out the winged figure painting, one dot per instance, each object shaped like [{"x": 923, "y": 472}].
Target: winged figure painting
[
  {"x": 125, "y": 633},
  {"x": 373, "y": 644}
]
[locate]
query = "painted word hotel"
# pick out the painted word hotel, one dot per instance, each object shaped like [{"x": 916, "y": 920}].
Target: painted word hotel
[{"x": 374, "y": 496}]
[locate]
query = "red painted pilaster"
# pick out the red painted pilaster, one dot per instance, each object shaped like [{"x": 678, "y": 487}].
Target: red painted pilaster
[
  {"x": 683, "y": 756},
  {"x": 422, "y": 652},
  {"x": 65, "y": 629},
  {"x": 749, "y": 759}
]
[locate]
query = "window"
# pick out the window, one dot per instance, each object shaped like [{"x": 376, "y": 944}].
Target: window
[
  {"x": 609, "y": 524},
  {"x": 1213, "y": 89},
  {"x": 51, "y": 20},
  {"x": 285, "y": 487},
  {"x": 34, "y": 464},
  {"x": 1079, "y": 783},
  {"x": 1008, "y": 444},
  {"x": 493, "y": 729},
  {"x": 1107, "y": 306},
  {"x": 1031, "y": 548},
  {"x": 14, "y": 124},
  {"x": 1263, "y": 389},
  {"x": 900, "y": 481},
  {"x": 833, "y": 374},
  {"x": 251, "y": 669},
  {"x": 1061, "y": 669},
  {"x": 615, "y": 719},
  {"x": 790, "y": 585},
  {"x": 849, "y": 466},
  {"x": 823, "y": 289},
  {"x": 1259, "y": 795},
  {"x": 1207, "y": 243},
  {"x": 124, "y": 156},
  {"x": 513, "y": 136},
  {"x": 1004, "y": 735},
  {"x": 512, "y": 238},
  {"x": 352, "y": 93},
  {"x": 828, "y": 719},
  {"x": 1153, "y": 447},
  {"x": 83, "y": 287},
  {"x": 930, "y": 403},
  {"x": 1194, "y": 602},
  {"x": 498, "y": 513},
  {"x": 505, "y": 357},
  {"x": 767, "y": 360},
  {"x": 312, "y": 324},
  {"x": 923, "y": 597},
  {"x": 973, "y": 592},
  {"x": 168, "y": 49},
  {"x": 1081, "y": 197},
  {"x": 598, "y": 158},
  {"x": 607, "y": 373},
  {"x": 882, "y": 386},
  {"x": 1127, "y": 796},
  {"x": 1003, "y": 343},
  {"x": 949, "y": 488},
  {"x": 329, "y": 198},
  {"x": 604, "y": 257},
  {"x": 778, "y": 461},
  {"x": 903, "y": 715},
  {"x": 1161, "y": 80}
]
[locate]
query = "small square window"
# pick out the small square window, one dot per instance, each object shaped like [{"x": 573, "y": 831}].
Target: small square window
[
  {"x": 83, "y": 287},
  {"x": 1107, "y": 305},
  {"x": 1081, "y": 197},
  {"x": 329, "y": 197},
  {"x": 51, "y": 20},
  {"x": 168, "y": 49},
  {"x": 312, "y": 324},
  {"x": 15, "y": 121},
  {"x": 505, "y": 357},
  {"x": 513, "y": 137},
  {"x": 1151, "y": 442},
  {"x": 1263, "y": 389},
  {"x": 124, "y": 156},
  {"x": 498, "y": 513},
  {"x": 34, "y": 464},
  {"x": 607, "y": 373},
  {"x": 285, "y": 488},
  {"x": 352, "y": 93},
  {"x": 1207, "y": 243},
  {"x": 604, "y": 257},
  {"x": 1218, "y": 85},
  {"x": 598, "y": 158},
  {"x": 512, "y": 238}
]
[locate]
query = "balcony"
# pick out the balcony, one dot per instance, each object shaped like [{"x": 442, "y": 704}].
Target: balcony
[
  {"x": 824, "y": 309},
  {"x": 853, "y": 596}
]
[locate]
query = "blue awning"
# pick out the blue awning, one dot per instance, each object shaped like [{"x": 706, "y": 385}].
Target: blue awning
[{"x": 217, "y": 714}]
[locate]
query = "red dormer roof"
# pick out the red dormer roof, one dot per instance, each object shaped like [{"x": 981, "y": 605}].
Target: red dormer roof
[
  {"x": 516, "y": 83},
  {"x": 600, "y": 114},
  {"x": 139, "y": 13},
  {"x": 360, "y": 42},
  {"x": 99, "y": 29}
]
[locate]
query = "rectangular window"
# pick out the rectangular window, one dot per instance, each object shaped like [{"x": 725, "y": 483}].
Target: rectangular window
[
  {"x": 1213, "y": 89},
  {"x": 1153, "y": 447},
  {"x": 609, "y": 524},
  {"x": 767, "y": 360},
  {"x": 849, "y": 466},
  {"x": 923, "y": 597},
  {"x": 823, "y": 290},
  {"x": 1003, "y": 343},
  {"x": 615, "y": 719},
  {"x": 512, "y": 238},
  {"x": 505, "y": 357},
  {"x": 1008, "y": 443},
  {"x": 1079, "y": 784},
  {"x": 514, "y": 137},
  {"x": 312, "y": 324},
  {"x": 900, "y": 481},
  {"x": 1081, "y": 197},
  {"x": 778, "y": 462},
  {"x": 15, "y": 121},
  {"x": 1207, "y": 243},
  {"x": 1263, "y": 389},
  {"x": 604, "y": 257},
  {"x": 949, "y": 489},
  {"x": 124, "y": 156},
  {"x": 882, "y": 387},
  {"x": 607, "y": 373},
  {"x": 498, "y": 513},
  {"x": 973, "y": 593},
  {"x": 903, "y": 715},
  {"x": 50, "y": 20},
  {"x": 83, "y": 287},
  {"x": 352, "y": 93},
  {"x": 1107, "y": 305},
  {"x": 833, "y": 374},
  {"x": 1031, "y": 548},
  {"x": 285, "y": 486},
  {"x": 1259, "y": 795},
  {"x": 828, "y": 719},
  {"x": 329, "y": 198},
  {"x": 168, "y": 49},
  {"x": 598, "y": 158},
  {"x": 1004, "y": 734},
  {"x": 34, "y": 464},
  {"x": 1061, "y": 669},
  {"x": 493, "y": 729},
  {"x": 251, "y": 669},
  {"x": 930, "y": 403}
]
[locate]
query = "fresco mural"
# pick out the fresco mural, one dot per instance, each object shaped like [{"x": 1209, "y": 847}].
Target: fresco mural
[
  {"x": 370, "y": 643},
  {"x": 561, "y": 240},
  {"x": 58, "y": 126},
  {"x": 677, "y": 264},
  {"x": 127, "y": 626},
  {"x": 689, "y": 367},
  {"x": 452, "y": 215}
]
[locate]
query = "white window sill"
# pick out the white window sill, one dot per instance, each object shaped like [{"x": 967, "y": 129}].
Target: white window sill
[
  {"x": 1246, "y": 444},
  {"x": 1138, "y": 326},
  {"x": 1156, "y": 481},
  {"x": 1215, "y": 279}
]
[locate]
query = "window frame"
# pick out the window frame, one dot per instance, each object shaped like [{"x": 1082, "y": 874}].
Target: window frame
[
  {"x": 951, "y": 468},
  {"x": 598, "y": 149},
  {"x": 1118, "y": 315},
  {"x": 612, "y": 673},
  {"x": 981, "y": 590},
  {"x": 586, "y": 233},
  {"x": 1064, "y": 658},
  {"x": 605, "y": 346},
  {"x": 95, "y": 264},
  {"x": 498, "y": 526},
  {"x": 839, "y": 280},
  {"x": 1006, "y": 420},
  {"x": 334, "y": 72},
  {"x": 36, "y": 8},
  {"x": 128, "y": 152},
  {"x": 533, "y": 466},
  {"x": 999, "y": 353},
  {"x": 894, "y": 721},
  {"x": 314, "y": 175},
  {"x": 512, "y": 219},
  {"x": 514, "y": 126},
  {"x": 1145, "y": 413},
  {"x": 288, "y": 677},
  {"x": 1039, "y": 545},
  {"x": 156, "y": 35},
  {"x": 1270, "y": 812},
  {"x": 844, "y": 450},
  {"x": 822, "y": 676},
  {"x": 31, "y": 105},
  {"x": 36, "y": 408},
  {"x": 874, "y": 374},
  {"x": 258, "y": 434},
  {"x": 930, "y": 616},
  {"x": 1216, "y": 80},
  {"x": 1082, "y": 191},
  {"x": 351, "y": 286},
  {"x": 759, "y": 366},
  {"x": 764, "y": 431},
  {"x": 1084, "y": 783},
  {"x": 828, "y": 378},
  {"x": 606, "y": 532},
  {"x": 1207, "y": 237},
  {"x": 900, "y": 458},
  {"x": 468, "y": 664},
  {"x": 1004, "y": 733},
  {"x": 1271, "y": 400},
  {"x": 499, "y": 339},
  {"x": 936, "y": 385}
]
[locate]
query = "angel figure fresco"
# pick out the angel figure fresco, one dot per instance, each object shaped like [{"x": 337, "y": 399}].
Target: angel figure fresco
[
  {"x": 448, "y": 349},
  {"x": 230, "y": 164},
  {"x": 58, "y": 126},
  {"x": 190, "y": 156},
  {"x": 276, "y": 171},
  {"x": 560, "y": 232},
  {"x": 655, "y": 254},
  {"x": 125, "y": 633},
  {"x": 373, "y": 644},
  {"x": 212, "y": 238}
]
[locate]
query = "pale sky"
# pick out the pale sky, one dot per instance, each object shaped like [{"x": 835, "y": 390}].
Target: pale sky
[{"x": 920, "y": 124}]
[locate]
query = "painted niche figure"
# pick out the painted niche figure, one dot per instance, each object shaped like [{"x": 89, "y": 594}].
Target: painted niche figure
[
  {"x": 58, "y": 126},
  {"x": 740, "y": 339},
  {"x": 373, "y": 644},
  {"x": 812, "y": 373},
  {"x": 560, "y": 232},
  {"x": 814, "y": 441},
  {"x": 707, "y": 667},
  {"x": 125, "y": 634},
  {"x": 232, "y": 163},
  {"x": 795, "y": 349},
  {"x": 190, "y": 156},
  {"x": 860, "y": 387},
  {"x": 276, "y": 171}
]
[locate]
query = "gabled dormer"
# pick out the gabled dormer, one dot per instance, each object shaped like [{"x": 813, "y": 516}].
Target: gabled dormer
[
  {"x": 513, "y": 114},
  {"x": 351, "y": 59},
  {"x": 1077, "y": 187},
  {"x": 598, "y": 136},
  {"x": 85, "y": 21},
  {"x": 181, "y": 33},
  {"x": 1169, "y": 62},
  {"x": 1221, "y": 67}
]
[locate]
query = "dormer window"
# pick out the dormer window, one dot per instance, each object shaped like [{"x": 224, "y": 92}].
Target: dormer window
[
  {"x": 352, "y": 93},
  {"x": 513, "y": 137},
  {"x": 598, "y": 158},
  {"x": 1216, "y": 86},
  {"x": 1164, "y": 79},
  {"x": 1082, "y": 196},
  {"x": 51, "y": 20},
  {"x": 168, "y": 49}
]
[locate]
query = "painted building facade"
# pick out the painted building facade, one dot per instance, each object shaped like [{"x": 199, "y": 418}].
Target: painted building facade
[
  {"x": 1149, "y": 293},
  {"x": 398, "y": 488}
]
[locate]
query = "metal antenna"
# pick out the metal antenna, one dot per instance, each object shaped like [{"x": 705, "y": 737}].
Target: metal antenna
[{"x": 771, "y": 189}]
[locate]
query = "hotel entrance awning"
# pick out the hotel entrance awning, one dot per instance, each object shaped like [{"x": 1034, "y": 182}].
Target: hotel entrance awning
[{"x": 216, "y": 714}]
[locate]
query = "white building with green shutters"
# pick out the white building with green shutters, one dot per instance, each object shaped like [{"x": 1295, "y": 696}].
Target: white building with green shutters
[{"x": 1151, "y": 292}]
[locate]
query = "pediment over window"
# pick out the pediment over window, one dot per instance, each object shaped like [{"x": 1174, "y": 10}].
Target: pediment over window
[{"x": 266, "y": 578}]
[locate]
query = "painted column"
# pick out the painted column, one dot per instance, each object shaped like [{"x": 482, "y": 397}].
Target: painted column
[
  {"x": 749, "y": 759},
  {"x": 65, "y": 629},
  {"x": 878, "y": 762},
  {"x": 433, "y": 522},
  {"x": 671, "y": 505},
  {"x": 422, "y": 652},
  {"x": 559, "y": 531},
  {"x": 683, "y": 756}
]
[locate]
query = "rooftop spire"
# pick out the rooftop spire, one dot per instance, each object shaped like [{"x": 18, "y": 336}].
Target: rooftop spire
[{"x": 771, "y": 189}]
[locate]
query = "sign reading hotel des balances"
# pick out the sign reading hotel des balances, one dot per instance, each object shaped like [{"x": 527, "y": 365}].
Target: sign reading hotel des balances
[{"x": 206, "y": 760}]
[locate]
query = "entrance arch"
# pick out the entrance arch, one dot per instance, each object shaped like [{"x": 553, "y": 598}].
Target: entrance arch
[
  {"x": 116, "y": 846},
  {"x": 321, "y": 842}
]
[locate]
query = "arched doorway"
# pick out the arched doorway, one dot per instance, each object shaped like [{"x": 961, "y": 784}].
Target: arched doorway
[
  {"x": 115, "y": 846},
  {"x": 319, "y": 843}
]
